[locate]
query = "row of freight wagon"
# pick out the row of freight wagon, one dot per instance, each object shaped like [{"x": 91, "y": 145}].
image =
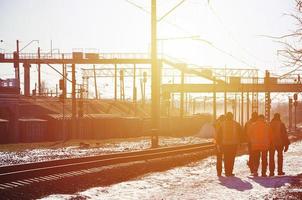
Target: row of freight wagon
[{"x": 55, "y": 129}]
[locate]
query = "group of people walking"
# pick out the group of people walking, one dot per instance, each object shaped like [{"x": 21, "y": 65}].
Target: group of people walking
[{"x": 263, "y": 139}]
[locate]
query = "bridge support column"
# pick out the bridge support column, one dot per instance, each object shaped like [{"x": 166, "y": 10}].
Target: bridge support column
[
  {"x": 115, "y": 82},
  {"x": 225, "y": 103},
  {"x": 122, "y": 85},
  {"x": 13, "y": 117},
  {"x": 214, "y": 106},
  {"x": 242, "y": 108},
  {"x": 95, "y": 84},
  {"x": 214, "y": 100},
  {"x": 26, "y": 79},
  {"x": 182, "y": 94},
  {"x": 134, "y": 95},
  {"x": 247, "y": 106}
]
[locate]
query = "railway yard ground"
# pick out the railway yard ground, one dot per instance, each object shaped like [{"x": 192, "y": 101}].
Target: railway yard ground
[{"x": 189, "y": 175}]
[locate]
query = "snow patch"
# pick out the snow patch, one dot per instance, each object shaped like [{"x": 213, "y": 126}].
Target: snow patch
[{"x": 199, "y": 181}]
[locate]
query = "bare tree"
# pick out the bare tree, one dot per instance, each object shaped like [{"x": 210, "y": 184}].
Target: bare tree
[{"x": 292, "y": 52}]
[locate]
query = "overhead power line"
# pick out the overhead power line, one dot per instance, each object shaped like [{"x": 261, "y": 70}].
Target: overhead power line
[
  {"x": 223, "y": 51},
  {"x": 138, "y": 6},
  {"x": 230, "y": 35},
  {"x": 171, "y": 10},
  {"x": 188, "y": 32}
]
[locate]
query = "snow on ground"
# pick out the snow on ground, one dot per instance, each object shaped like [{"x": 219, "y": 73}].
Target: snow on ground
[
  {"x": 25, "y": 153},
  {"x": 199, "y": 181}
]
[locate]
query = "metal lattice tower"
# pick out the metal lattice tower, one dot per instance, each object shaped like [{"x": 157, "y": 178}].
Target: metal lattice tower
[
  {"x": 267, "y": 106},
  {"x": 255, "y": 97}
]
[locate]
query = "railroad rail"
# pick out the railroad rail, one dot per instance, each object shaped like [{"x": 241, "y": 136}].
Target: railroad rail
[{"x": 12, "y": 176}]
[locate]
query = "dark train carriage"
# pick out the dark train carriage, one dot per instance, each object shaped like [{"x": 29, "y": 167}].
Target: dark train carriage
[
  {"x": 4, "y": 131},
  {"x": 32, "y": 130}
]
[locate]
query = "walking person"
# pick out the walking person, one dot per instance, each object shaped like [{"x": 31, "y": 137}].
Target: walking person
[
  {"x": 228, "y": 138},
  {"x": 247, "y": 128},
  {"x": 218, "y": 147},
  {"x": 259, "y": 144},
  {"x": 278, "y": 142}
]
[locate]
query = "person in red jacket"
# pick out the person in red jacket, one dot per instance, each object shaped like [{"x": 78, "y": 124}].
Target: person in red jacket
[
  {"x": 228, "y": 139},
  {"x": 278, "y": 142},
  {"x": 259, "y": 144}
]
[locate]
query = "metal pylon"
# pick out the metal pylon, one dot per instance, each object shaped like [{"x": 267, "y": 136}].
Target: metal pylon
[
  {"x": 267, "y": 106},
  {"x": 255, "y": 96}
]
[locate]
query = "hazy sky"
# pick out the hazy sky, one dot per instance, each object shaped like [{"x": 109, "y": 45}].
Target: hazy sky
[{"x": 117, "y": 26}]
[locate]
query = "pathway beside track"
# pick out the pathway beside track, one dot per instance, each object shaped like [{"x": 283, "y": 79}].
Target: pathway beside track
[{"x": 199, "y": 181}]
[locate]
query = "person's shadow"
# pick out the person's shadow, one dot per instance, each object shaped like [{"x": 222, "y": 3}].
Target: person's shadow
[
  {"x": 273, "y": 182},
  {"x": 235, "y": 183}
]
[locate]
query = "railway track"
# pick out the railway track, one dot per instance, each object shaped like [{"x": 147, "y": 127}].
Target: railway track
[{"x": 24, "y": 174}]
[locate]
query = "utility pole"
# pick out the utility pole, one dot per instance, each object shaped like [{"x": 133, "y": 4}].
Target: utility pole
[
  {"x": 225, "y": 93},
  {"x": 73, "y": 102},
  {"x": 194, "y": 106},
  {"x": 57, "y": 91},
  {"x": 234, "y": 107},
  {"x": 39, "y": 72},
  {"x": 134, "y": 84},
  {"x": 134, "y": 90},
  {"x": 115, "y": 82},
  {"x": 51, "y": 48},
  {"x": 290, "y": 113},
  {"x": 155, "y": 85},
  {"x": 18, "y": 68},
  {"x": 95, "y": 85},
  {"x": 143, "y": 87},
  {"x": 63, "y": 97},
  {"x": 295, "y": 110},
  {"x": 214, "y": 99},
  {"x": 242, "y": 108},
  {"x": 16, "y": 65},
  {"x": 204, "y": 103},
  {"x": 225, "y": 102}
]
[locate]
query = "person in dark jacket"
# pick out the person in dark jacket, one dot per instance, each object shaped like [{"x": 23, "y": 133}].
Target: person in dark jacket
[
  {"x": 247, "y": 128},
  {"x": 278, "y": 142},
  {"x": 228, "y": 138},
  {"x": 218, "y": 148}
]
